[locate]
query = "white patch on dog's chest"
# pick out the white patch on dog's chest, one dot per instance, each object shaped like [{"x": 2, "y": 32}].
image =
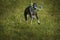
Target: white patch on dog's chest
[{"x": 33, "y": 16}]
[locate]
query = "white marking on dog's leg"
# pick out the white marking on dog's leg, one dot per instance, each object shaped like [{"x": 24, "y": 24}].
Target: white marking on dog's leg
[
  {"x": 38, "y": 22},
  {"x": 27, "y": 15}
]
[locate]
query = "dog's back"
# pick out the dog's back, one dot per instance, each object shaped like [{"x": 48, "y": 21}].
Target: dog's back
[{"x": 27, "y": 10}]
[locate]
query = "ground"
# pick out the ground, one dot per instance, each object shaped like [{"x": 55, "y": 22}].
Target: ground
[{"x": 13, "y": 26}]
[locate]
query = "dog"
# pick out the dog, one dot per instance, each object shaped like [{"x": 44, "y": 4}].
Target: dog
[{"x": 31, "y": 11}]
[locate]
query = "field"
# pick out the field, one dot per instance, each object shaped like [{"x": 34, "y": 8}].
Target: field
[{"x": 13, "y": 26}]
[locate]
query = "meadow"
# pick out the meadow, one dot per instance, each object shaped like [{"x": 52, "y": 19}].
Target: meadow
[{"x": 13, "y": 26}]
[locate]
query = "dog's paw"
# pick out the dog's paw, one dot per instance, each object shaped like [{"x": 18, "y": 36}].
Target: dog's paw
[{"x": 38, "y": 22}]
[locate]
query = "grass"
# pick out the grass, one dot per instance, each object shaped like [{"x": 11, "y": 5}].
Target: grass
[{"x": 13, "y": 26}]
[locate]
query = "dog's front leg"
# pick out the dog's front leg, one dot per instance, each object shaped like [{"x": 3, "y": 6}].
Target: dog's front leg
[
  {"x": 37, "y": 18},
  {"x": 38, "y": 21},
  {"x": 31, "y": 20}
]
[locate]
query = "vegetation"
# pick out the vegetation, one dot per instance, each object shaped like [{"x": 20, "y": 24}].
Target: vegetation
[{"x": 13, "y": 26}]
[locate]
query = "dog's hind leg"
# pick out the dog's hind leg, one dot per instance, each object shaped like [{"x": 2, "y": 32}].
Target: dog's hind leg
[{"x": 25, "y": 15}]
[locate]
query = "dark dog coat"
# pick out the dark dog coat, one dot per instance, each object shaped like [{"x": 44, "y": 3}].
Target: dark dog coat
[{"x": 31, "y": 11}]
